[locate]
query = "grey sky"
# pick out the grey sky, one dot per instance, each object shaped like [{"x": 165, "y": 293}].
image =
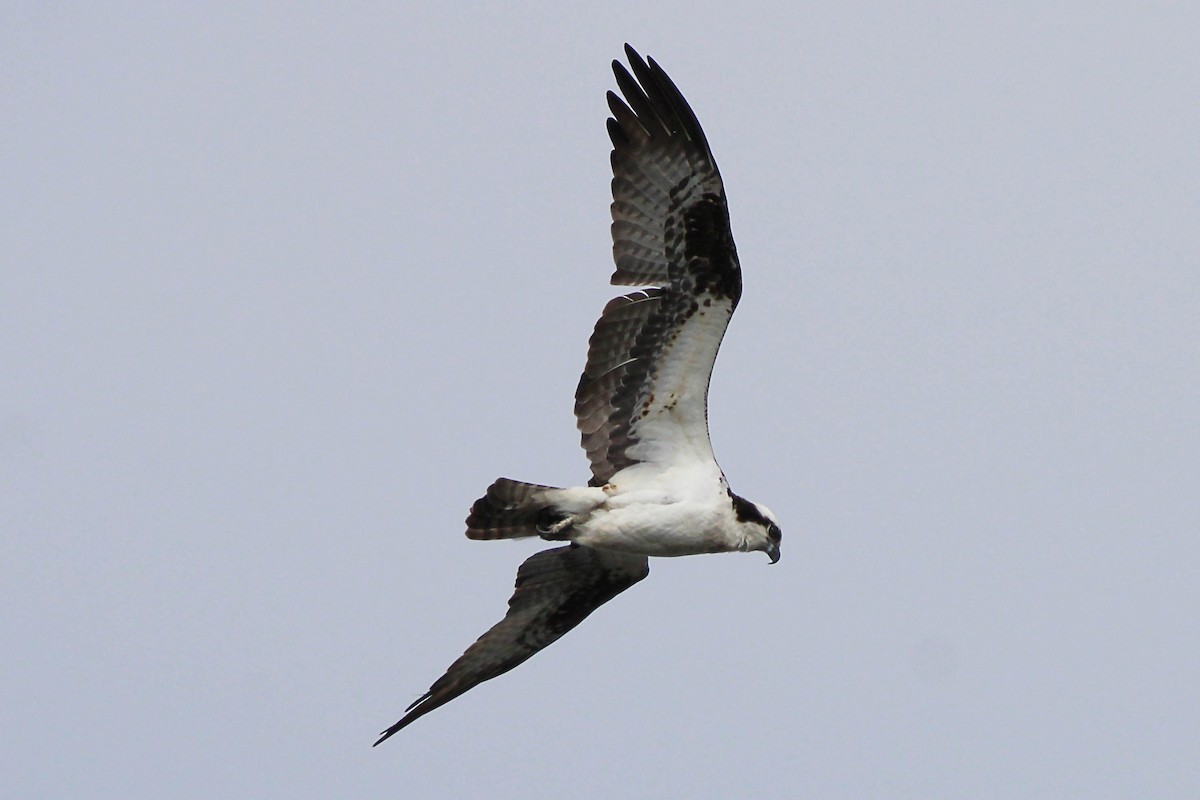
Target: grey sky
[{"x": 283, "y": 290}]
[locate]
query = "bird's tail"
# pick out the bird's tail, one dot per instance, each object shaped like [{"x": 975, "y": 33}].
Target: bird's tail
[{"x": 513, "y": 509}]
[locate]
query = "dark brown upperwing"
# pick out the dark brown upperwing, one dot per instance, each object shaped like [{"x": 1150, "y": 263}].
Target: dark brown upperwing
[{"x": 555, "y": 591}]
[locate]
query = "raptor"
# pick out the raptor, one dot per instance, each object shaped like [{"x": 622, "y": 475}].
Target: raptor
[{"x": 642, "y": 402}]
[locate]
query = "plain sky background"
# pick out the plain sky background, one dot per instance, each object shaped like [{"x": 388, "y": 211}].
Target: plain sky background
[{"x": 284, "y": 288}]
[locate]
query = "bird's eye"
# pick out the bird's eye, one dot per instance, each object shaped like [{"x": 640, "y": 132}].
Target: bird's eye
[{"x": 774, "y": 533}]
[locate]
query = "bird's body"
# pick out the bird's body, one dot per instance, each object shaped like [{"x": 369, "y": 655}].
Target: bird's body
[
  {"x": 682, "y": 510},
  {"x": 642, "y": 401}
]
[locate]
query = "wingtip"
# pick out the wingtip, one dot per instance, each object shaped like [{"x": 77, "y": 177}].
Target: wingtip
[
  {"x": 636, "y": 61},
  {"x": 392, "y": 731},
  {"x": 404, "y": 721},
  {"x": 639, "y": 61}
]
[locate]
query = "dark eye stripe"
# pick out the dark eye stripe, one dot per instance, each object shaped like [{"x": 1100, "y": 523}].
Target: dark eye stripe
[{"x": 774, "y": 533}]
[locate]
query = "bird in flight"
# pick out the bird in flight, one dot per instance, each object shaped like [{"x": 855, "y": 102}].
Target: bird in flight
[{"x": 641, "y": 405}]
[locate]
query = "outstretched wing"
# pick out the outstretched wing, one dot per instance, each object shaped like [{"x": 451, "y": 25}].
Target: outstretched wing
[
  {"x": 555, "y": 591},
  {"x": 643, "y": 395}
]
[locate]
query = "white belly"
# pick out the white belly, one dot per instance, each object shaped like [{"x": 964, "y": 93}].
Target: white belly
[{"x": 652, "y": 525}]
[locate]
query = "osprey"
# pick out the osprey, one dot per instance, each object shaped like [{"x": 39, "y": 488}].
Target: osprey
[{"x": 641, "y": 405}]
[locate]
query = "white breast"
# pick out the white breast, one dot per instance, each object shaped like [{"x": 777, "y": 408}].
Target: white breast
[{"x": 661, "y": 513}]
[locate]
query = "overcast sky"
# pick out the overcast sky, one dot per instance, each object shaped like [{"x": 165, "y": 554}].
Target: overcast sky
[{"x": 282, "y": 290}]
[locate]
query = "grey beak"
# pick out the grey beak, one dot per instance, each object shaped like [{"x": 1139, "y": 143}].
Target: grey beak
[{"x": 773, "y": 553}]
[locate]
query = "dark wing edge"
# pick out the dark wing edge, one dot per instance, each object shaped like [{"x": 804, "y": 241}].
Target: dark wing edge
[
  {"x": 670, "y": 230},
  {"x": 555, "y": 591}
]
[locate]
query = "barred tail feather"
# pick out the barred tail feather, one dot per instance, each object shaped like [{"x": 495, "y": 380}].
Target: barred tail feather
[{"x": 512, "y": 510}]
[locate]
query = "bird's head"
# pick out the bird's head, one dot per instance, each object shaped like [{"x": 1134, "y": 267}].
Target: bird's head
[{"x": 757, "y": 526}]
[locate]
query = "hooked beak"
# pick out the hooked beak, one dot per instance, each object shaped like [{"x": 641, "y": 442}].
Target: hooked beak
[{"x": 772, "y": 552}]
